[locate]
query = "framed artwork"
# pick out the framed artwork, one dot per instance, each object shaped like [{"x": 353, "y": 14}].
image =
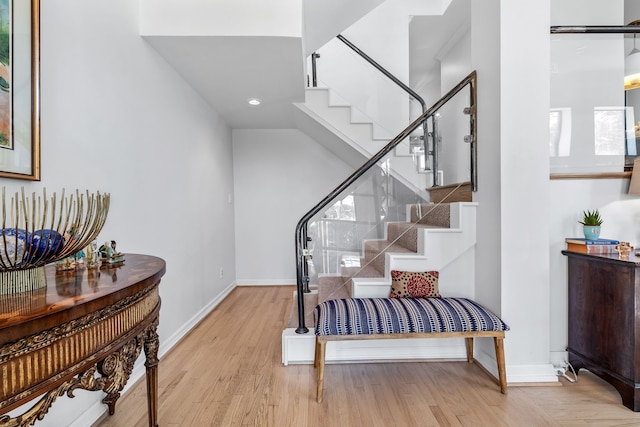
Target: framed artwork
[{"x": 20, "y": 89}]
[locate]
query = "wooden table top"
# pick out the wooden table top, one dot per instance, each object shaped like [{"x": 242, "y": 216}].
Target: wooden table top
[
  {"x": 70, "y": 295},
  {"x": 612, "y": 257}
]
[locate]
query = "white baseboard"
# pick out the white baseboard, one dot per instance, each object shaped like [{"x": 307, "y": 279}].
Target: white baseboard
[
  {"x": 167, "y": 344},
  {"x": 263, "y": 282},
  {"x": 91, "y": 415},
  {"x": 521, "y": 374},
  {"x": 299, "y": 349}
]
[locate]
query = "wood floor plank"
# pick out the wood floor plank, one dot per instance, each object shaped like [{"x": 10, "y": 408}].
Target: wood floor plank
[{"x": 228, "y": 372}]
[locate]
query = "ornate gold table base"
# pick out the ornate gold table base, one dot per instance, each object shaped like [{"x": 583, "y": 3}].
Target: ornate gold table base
[{"x": 95, "y": 351}]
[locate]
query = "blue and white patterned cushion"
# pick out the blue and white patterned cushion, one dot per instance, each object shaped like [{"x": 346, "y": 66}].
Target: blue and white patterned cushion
[{"x": 354, "y": 316}]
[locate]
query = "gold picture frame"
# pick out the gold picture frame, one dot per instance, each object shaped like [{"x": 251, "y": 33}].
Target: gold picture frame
[{"x": 20, "y": 89}]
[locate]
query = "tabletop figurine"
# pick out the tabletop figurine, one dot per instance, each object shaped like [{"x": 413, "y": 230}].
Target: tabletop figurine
[
  {"x": 66, "y": 264},
  {"x": 93, "y": 256},
  {"x": 79, "y": 259},
  {"x": 109, "y": 254}
]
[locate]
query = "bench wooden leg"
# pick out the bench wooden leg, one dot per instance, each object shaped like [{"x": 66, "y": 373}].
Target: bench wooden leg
[
  {"x": 321, "y": 347},
  {"x": 469, "y": 344},
  {"x": 502, "y": 372}
]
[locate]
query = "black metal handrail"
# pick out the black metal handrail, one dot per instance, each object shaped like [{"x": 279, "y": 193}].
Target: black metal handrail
[
  {"x": 384, "y": 71},
  {"x": 596, "y": 29},
  {"x": 301, "y": 227},
  {"x": 411, "y": 92},
  {"x": 398, "y": 82}
]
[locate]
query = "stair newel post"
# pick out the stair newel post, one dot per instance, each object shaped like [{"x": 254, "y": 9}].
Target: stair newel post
[
  {"x": 301, "y": 261},
  {"x": 434, "y": 152},
  {"x": 305, "y": 262},
  {"x": 425, "y": 142},
  {"x": 314, "y": 69}
]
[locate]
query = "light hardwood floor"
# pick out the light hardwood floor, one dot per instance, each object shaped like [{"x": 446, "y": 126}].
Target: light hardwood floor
[{"x": 228, "y": 372}]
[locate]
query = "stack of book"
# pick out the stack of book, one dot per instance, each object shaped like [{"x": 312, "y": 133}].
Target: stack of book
[{"x": 589, "y": 246}]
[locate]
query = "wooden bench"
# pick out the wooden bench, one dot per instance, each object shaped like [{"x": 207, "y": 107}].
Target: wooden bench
[{"x": 393, "y": 318}]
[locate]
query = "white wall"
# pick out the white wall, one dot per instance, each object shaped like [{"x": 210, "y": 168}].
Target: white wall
[
  {"x": 279, "y": 175},
  {"x": 485, "y": 59},
  {"x": 513, "y": 270},
  {"x": 117, "y": 118},
  {"x": 524, "y": 168},
  {"x": 323, "y": 20},
  {"x": 455, "y": 153},
  {"x": 569, "y": 198}
]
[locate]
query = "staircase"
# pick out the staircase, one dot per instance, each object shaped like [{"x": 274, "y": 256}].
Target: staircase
[
  {"x": 352, "y": 137},
  {"x": 393, "y": 229},
  {"x": 438, "y": 237}
]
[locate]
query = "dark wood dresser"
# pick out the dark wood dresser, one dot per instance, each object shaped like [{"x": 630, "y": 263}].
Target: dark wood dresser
[
  {"x": 604, "y": 320},
  {"x": 84, "y": 331}
]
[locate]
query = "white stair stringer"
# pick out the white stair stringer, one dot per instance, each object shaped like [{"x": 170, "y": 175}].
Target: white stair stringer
[
  {"x": 341, "y": 127},
  {"x": 450, "y": 251},
  {"x": 378, "y": 133},
  {"x": 327, "y": 136}
]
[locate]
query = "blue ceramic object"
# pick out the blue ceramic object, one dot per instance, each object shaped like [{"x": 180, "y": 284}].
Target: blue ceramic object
[
  {"x": 12, "y": 245},
  {"x": 43, "y": 244},
  {"x": 591, "y": 232}
]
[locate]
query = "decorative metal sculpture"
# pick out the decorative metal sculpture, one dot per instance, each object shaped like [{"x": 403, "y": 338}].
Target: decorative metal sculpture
[{"x": 36, "y": 231}]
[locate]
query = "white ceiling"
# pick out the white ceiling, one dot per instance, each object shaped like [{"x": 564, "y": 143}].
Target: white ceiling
[{"x": 227, "y": 71}]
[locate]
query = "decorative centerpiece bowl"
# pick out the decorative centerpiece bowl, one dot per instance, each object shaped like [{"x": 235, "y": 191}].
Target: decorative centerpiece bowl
[{"x": 36, "y": 231}]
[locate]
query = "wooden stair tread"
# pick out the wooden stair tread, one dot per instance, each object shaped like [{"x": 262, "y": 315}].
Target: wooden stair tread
[
  {"x": 460, "y": 192},
  {"x": 363, "y": 271},
  {"x": 383, "y": 246},
  {"x": 375, "y": 250}
]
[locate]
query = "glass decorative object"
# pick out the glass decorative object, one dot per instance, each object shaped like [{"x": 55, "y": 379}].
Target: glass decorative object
[
  {"x": 624, "y": 249},
  {"x": 37, "y": 230}
]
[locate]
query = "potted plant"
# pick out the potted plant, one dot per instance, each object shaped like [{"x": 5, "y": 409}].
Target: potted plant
[{"x": 591, "y": 222}]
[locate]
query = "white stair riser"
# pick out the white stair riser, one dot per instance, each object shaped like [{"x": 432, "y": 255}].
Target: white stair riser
[
  {"x": 449, "y": 251},
  {"x": 299, "y": 349}
]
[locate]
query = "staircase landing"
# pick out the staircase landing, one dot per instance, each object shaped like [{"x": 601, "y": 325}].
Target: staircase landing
[{"x": 451, "y": 193}]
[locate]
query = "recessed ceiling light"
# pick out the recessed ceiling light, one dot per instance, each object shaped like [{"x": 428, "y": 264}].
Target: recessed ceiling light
[{"x": 254, "y": 101}]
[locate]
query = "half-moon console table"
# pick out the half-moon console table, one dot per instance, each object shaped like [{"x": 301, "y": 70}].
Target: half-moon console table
[{"x": 84, "y": 331}]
